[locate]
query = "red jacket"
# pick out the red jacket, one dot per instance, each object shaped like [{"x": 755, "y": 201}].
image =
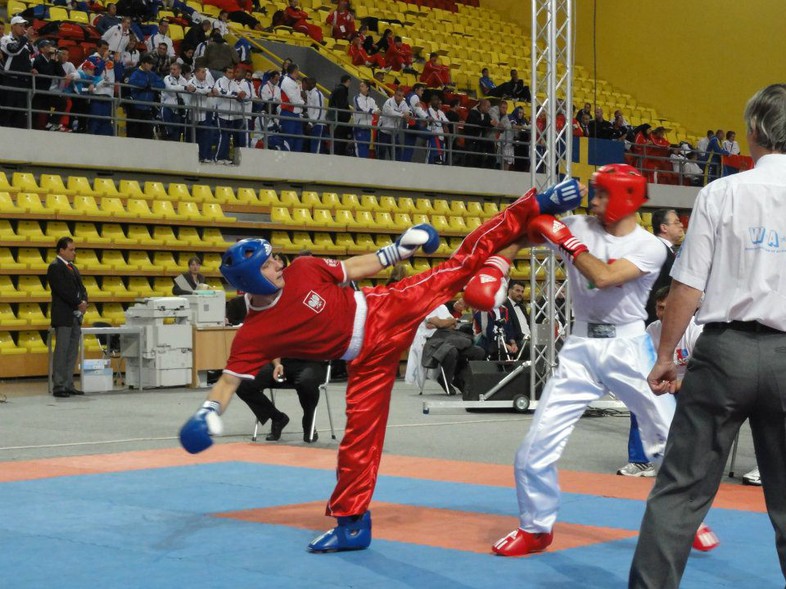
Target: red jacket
[{"x": 343, "y": 24}]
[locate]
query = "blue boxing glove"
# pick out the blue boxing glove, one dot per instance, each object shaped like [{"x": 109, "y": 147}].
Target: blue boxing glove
[
  {"x": 196, "y": 434},
  {"x": 560, "y": 198},
  {"x": 404, "y": 247}
]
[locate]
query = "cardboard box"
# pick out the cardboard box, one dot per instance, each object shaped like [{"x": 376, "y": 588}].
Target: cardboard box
[{"x": 97, "y": 376}]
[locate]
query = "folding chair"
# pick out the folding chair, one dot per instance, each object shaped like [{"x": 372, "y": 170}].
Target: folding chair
[{"x": 323, "y": 394}]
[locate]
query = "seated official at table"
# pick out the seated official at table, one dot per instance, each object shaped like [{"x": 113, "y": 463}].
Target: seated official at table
[{"x": 189, "y": 281}]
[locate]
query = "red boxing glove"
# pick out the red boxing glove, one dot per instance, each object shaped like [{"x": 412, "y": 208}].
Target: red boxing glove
[
  {"x": 488, "y": 289},
  {"x": 546, "y": 227}
]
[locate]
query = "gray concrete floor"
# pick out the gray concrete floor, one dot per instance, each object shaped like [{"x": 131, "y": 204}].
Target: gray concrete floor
[{"x": 36, "y": 425}]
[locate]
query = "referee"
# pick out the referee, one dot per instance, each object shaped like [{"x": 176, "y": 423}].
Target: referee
[{"x": 734, "y": 253}]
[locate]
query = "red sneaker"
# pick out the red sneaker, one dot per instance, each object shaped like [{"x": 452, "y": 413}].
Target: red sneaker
[
  {"x": 519, "y": 543},
  {"x": 705, "y": 539}
]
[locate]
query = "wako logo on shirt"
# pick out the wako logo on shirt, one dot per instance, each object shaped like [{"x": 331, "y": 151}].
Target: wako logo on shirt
[
  {"x": 766, "y": 239},
  {"x": 314, "y": 302}
]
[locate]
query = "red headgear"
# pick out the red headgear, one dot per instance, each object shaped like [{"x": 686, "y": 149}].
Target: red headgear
[{"x": 626, "y": 187}]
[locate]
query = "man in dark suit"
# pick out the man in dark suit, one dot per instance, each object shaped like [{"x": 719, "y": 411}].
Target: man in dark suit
[
  {"x": 517, "y": 312},
  {"x": 69, "y": 303},
  {"x": 342, "y": 131},
  {"x": 667, "y": 227},
  {"x": 476, "y": 129}
]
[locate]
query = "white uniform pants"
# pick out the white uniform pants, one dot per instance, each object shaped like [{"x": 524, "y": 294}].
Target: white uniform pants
[{"x": 588, "y": 369}]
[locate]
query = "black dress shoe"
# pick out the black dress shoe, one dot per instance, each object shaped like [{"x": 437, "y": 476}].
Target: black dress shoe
[
  {"x": 276, "y": 427},
  {"x": 75, "y": 392},
  {"x": 308, "y": 440},
  {"x": 62, "y": 393}
]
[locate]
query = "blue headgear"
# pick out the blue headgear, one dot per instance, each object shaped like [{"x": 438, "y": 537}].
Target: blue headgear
[{"x": 241, "y": 265}]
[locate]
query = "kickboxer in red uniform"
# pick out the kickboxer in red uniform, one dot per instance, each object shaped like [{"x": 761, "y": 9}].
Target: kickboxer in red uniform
[{"x": 308, "y": 311}]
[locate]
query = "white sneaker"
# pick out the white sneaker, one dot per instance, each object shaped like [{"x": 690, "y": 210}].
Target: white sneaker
[
  {"x": 637, "y": 469},
  {"x": 752, "y": 478},
  {"x": 225, "y": 162}
]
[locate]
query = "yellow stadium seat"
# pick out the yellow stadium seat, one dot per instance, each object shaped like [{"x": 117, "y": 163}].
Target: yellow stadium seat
[
  {"x": 91, "y": 286},
  {"x": 6, "y": 186},
  {"x": 178, "y": 191},
  {"x": 458, "y": 208},
  {"x": 139, "y": 286},
  {"x": 302, "y": 240},
  {"x": 457, "y": 224},
  {"x": 419, "y": 218},
  {"x": 213, "y": 212},
  {"x": 473, "y": 223},
  {"x": 424, "y": 206},
  {"x": 163, "y": 209},
  {"x": 131, "y": 189},
  {"x": 211, "y": 262},
  {"x": 162, "y": 286},
  {"x": 166, "y": 234},
  {"x": 142, "y": 261},
  {"x": 402, "y": 220},
  {"x": 165, "y": 261},
  {"x": 32, "y": 315},
  {"x": 200, "y": 193},
  {"x": 267, "y": 197},
  {"x": 365, "y": 219},
  {"x": 188, "y": 236},
  {"x": 350, "y": 201},
  {"x": 7, "y": 204},
  {"x": 113, "y": 207},
  {"x": 345, "y": 218},
  {"x": 114, "y": 286},
  {"x": 31, "y": 341},
  {"x": 330, "y": 201},
  {"x": 31, "y": 230},
  {"x": 139, "y": 209},
  {"x": 289, "y": 198},
  {"x": 86, "y": 206},
  {"x": 369, "y": 202},
  {"x": 224, "y": 194},
  {"x": 175, "y": 32},
  {"x": 490, "y": 209},
  {"x": 105, "y": 187},
  {"x": 382, "y": 239},
  {"x": 53, "y": 184},
  {"x": 55, "y": 230},
  {"x": 474, "y": 209},
  {"x": 365, "y": 243},
  {"x": 58, "y": 204},
  {"x": 25, "y": 182},
  {"x": 190, "y": 210},
  {"x": 323, "y": 218},
  {"x": 281, "y": 215},
  {"x": 115, "y": 260},
  {"x": 113, "y": 313},
  {"x": 30, "y": 202},
  {"x": 441, "y": 207},
  {"x": 7, "y": 317},
  {"x": 7, "y": 232},
  {"x": 420, "y": 265},
  {"x": 31, "y": 286},
  {"x": 213, "y": 237},
  {"x": 302, "y": 218},
  {"x": 388, "y": 204},
  {"x": 141, "y": 235},
  {"x": 282, "y": 240},
  {"x": 88, "y": 260},
  {"x": 80, "y": 185},
  {"x": 8, "y": 347},
  {"x": 58, "y": 13},
  {"x": 440, "y": 223},
  {"x": 155, "y": 191},
  {"x": 115, "y": 234},
  {"x": 7, "y": 288},
  {"x": 310, "y": 199},
  {"x": 322, "y": 241},
  {"x": 407, "y": 205},
  {"x": 345, "y": 241}
]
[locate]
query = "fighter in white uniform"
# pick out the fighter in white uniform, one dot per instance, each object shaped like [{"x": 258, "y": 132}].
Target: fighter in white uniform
[{"x": 609, "y": 350}]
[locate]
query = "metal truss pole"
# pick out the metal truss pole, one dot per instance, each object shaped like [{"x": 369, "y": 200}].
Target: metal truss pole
[{"x": 550, "y": 153}]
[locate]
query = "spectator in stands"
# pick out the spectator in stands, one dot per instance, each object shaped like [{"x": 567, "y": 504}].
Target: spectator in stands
[
  {"x": 435, "y": 75},
  {"x": 16, "y": 50},
  {"x": 62, "y": 88},
  {"x": 414, "y": 135},
  {"x": 714, "y": 152},
  {"x": 456, "y": 125},
  {"x": 587, "y": 109},
  {"x": 140, "y": 111},
  {"x": 243, "y": 79},
  {"x": 618, "y": 116},
  {"x": 514, "y": 88},
  {"x": 384, "y": 43},
  {"x": 395, "y": 115},
  {"x": 522, "y": 139},
  {"x": 83, "y": 87},
  {"x": 701, "y": 145},
  {"x": 342, "y": 21},
  {"x": 186, "y": 56},
  {"x": 360, "y": 57},
  {"x": 238, "y": 11},
  {"x": 342, "y": 131},
  {"x": 315, "y": 114},
  {"x": 107, "y": 20},
  {"x": 476, "y": 129},
  {"x": 190, "y": 280},
  {"x": 172, "y": 111},
  {"x": 730, "y": 144},
  {"x": 198, "y": 33},
  {"x": 219, "y": 55},
  {"x": 581, "y": 124},
  {"x": 399, "y": 55},
  {"x": 485, "y": 83},
  {"x": 162, "y": 36},
  {"x": 284, "y": 65},
  {"x": 599, "y": 127},
  {"x": 117, "y": 36},
  {"x": 270, "y": 94},
  {"x": 202, "y": 112},
  {"x": 297, "y": 19},
  {"x": 437, "y": 125},
  {"x": 100, "y": 122},
  {"x": 129, "y": 58},
  {"x": 45, "y": 65},
  {"x": 506, "y": 134},
  {"x": 368, "y": 41},
  {"x": 230, "y": 114},
  {"x": 365, "y": 109},
  {"x": 292, "y": 103},
  {"x": 684, "y": 164}
]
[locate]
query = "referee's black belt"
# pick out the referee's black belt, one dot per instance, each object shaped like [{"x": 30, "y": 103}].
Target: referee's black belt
[{"x": 753, "y": 326}]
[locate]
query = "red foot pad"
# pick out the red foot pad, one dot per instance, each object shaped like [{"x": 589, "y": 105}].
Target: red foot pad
[
  {"x": 705, "y": 539},
  {"x": 520, "y": 543}
]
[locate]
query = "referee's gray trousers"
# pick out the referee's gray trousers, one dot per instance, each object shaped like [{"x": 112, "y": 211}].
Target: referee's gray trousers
[
  {"x": 733, "y": 375},
  {"x": 66, "y": 350}
]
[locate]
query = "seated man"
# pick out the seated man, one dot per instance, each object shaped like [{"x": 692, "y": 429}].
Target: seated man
[
  {"x": 494, "y": 334},
  {"x": 435, "y": 75},
  {"x": 399, "y": 56}
]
